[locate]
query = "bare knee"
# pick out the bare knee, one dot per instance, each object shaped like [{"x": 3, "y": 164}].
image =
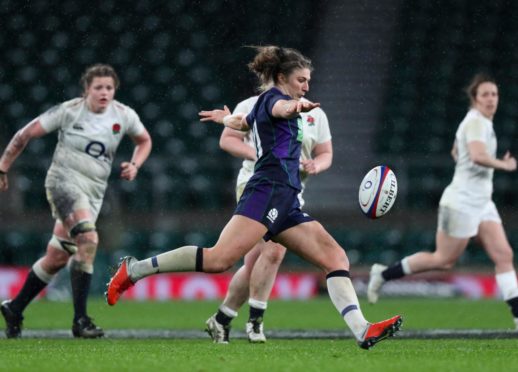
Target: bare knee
[
  {"x": 274, "y": 254},
  {"x": 335, "y": 259},
  {"x": 54, "y": 260},
  {"x": 87, "y": 246},
  {"x": 216, "y": 263},
  {"x": 445, "y": 263}
]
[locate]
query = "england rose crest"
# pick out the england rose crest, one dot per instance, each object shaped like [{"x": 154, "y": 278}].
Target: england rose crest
[{"x": 116, "y": 128}]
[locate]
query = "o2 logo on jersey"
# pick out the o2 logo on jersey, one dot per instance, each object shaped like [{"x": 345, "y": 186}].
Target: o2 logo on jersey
[{"x": 95, "y": 149}]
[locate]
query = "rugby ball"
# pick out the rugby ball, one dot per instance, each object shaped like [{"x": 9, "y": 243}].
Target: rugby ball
[{"x": 378, "y": 191}]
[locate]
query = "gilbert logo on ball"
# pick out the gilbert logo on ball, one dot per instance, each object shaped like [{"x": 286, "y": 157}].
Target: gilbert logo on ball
[{"x": 378, "y": 191}]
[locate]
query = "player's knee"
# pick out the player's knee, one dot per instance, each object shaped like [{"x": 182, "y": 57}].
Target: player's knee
[
  {"x": 87, "y": 245},
  {"x": 213, "y": 263},
  {"x": 447, "y": 263},
  {"x": 505, "y": 256},
  {"x": 58, "y": 253},
  {"x": 336, "y": 259},
  {"x": 274, "y": 254}
]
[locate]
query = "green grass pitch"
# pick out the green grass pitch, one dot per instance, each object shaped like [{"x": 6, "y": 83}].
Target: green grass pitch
[{"x": 277, "y": 354}]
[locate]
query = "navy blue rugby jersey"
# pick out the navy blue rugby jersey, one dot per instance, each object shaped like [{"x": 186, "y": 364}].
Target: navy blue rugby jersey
[{"x": 277, "y": 141}]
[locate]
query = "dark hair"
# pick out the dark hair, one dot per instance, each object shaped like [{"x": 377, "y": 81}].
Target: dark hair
[
  {"x": 271, "y": 60},
  {"x": 98, "y": 70},
  {"x": 478, "y": 79}
]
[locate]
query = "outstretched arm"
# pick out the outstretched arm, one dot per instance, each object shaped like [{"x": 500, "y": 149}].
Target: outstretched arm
[
  {"x": 232, "y": 141},
  {"x": 16, "y": 147},
  {"x": 234, "y": 121},
  {"x": 290, "y": 109}
]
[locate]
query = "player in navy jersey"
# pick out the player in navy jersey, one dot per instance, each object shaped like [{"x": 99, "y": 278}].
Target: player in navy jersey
[
  {"x": 254, "y": 280},
  {"x": 269, "y": 207},
  {"x": 90, "y": 129}
]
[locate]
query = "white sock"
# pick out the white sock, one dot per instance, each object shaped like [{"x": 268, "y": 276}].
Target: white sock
[
  {"x": 508, "y": 284},
  {"x": 257, "y": 304},
  {"x": 406, "y": 266},
  {"x": 228, "y": 311},
  {"x": 180, "y": 259},
  {"x": 40, "y": 273},
  {"x": 344, "y": 298}
]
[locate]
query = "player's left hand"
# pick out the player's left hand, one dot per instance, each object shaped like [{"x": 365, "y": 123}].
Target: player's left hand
[
  {"x": 128, "y": 171},
  {"x": 214, "y": 115},
  {"x": 309, "y": 166}
]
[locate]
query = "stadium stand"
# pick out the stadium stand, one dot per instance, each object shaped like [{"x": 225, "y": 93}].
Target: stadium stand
[{"x": 175, "y": 58}]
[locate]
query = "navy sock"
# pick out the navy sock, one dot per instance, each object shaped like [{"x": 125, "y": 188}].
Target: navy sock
[
  {"x": 32, "y": 286},
  {"x": 223, "y": 318},
  {"x": 393, "y": 272},
  {"x": 256, "y": 315},
  {"x": 80, "y": 288},
  {"x": 513, "y": 304}
]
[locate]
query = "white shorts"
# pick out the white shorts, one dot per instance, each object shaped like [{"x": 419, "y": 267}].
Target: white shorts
[
  {"x": 68, "y": 198},
  {"x": 465, "y": 225}
]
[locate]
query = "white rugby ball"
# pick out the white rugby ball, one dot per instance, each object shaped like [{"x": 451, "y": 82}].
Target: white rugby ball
[{"x": 378, "y": 191}]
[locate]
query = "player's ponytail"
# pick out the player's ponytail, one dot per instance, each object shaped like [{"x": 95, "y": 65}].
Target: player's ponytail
[{"x": 271, "y": 60}]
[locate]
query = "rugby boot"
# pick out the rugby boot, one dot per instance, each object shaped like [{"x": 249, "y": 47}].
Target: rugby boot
[
  {"x": 13, "y": 321},
  {"x": 120, "y": 282},
  {"x": 375, "y": 282},
  {"x": 377, "y": 332},
  {"x": 218, "y": 332},
  {"x": 255, "y": 332},
  {"x": 85, "y": 328}
]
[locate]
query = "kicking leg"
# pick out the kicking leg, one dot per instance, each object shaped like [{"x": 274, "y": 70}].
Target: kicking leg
[
  {"x": 237, "y": 238},
  {"x": 312, "y": 242}
]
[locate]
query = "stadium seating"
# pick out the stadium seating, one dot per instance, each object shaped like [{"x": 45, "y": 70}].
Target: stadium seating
[{"x": 439, "y": 47}]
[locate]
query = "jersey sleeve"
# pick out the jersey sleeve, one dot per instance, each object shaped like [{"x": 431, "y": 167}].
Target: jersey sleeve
[
  {"x": 475, "y": 130},
  {"x": 242, "y": 108},
  {"x": 52, "y": 119},
  {"x": 135, "y": 126},
  {"x": 270, "y": 101},
  {"x": 323, "y": 131}
]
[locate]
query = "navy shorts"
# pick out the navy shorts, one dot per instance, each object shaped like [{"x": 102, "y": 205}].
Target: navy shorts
[{"x": 275, "y": 205}]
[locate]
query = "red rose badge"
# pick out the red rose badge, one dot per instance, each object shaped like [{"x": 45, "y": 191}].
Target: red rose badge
[{"x": 116, "y": 128}]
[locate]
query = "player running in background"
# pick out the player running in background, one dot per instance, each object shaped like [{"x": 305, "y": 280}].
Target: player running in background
[
  {"x": 466, "y": 209},
  {"x": 254, "y": 280},
  {"x": 269, "y": 207},
  {"x": 90, "y": 129}
]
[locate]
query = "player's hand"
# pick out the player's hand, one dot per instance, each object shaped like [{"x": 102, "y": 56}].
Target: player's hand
[
  {"x": 300, "y": 106},
  {"x": 4, "y": 184},
  {"x": 128, "y": 171},
  {"x": 510, "y": 162},
  {"x": 309, "y": 166},
  {"x": 214, "y": 115}
]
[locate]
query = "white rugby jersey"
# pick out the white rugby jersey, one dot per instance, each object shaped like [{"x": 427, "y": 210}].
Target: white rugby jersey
[
  {"x": 472, "y": 184},
  {"x": 315, "y": 131},
  {"x": 87, "y": 141}
]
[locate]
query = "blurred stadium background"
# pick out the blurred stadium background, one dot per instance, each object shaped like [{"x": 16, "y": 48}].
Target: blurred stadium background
[{"x": 389, "y": 74}]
